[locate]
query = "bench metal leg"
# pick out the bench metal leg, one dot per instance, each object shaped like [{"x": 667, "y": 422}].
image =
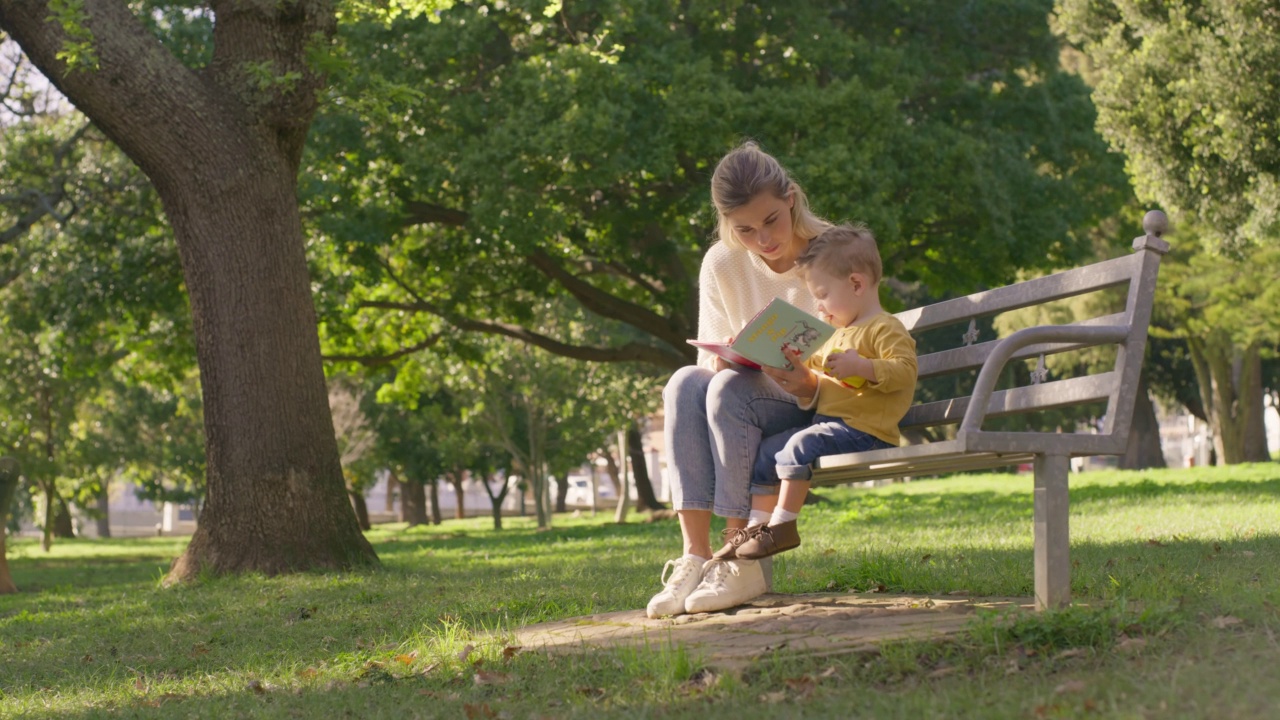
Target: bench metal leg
[{"x": 1052, "y": 538}]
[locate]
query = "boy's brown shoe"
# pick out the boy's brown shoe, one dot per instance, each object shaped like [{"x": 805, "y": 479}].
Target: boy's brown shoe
[
  {"x": 769, "y": 540},
  {"x": 733, "y": 537}
]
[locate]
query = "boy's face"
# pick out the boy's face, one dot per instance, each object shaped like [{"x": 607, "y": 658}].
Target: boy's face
[{"x": 841, "y": 300}]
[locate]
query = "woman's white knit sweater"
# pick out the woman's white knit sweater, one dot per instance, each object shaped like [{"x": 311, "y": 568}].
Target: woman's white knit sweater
[{"x": 734, "y": 285}]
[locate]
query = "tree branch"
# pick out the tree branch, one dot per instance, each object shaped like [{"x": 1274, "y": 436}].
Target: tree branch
[
  {"x": 377, "y": 360},
  {"x": 422, "y": 213},
  {"x": 606, "y": 305},
  {"x": 630, "y": 352}
]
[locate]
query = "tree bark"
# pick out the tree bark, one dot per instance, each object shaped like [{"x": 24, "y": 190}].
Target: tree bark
[
  {"x": 455, "y": 480},
  {"x": 413, "y": 503},
  {"x": 1230, "y": 385},
  {"x": 1254, "y": 407},
  {"x": 361, "y": 507},
  {"x": 104, "y": 511},
  {"x": 435, "y": 502},
  {"x": 645, "y": 497},
  {"x": 1143, "y": 450},
  {"x": 8, "y": 488},
  {"x": 562, "y": 493},
  {"x": 63, "y": 527},
  {"x": 222, "y": 150}
]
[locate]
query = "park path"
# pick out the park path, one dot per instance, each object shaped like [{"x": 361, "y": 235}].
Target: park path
[{"x": 815, "y": 624}]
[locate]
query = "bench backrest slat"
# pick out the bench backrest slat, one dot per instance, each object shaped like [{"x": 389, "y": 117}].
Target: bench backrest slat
[
  {"x": 971, "y": 357},
  {"x": 1039, "y": 291},
  {"x": 1045, "y": 396}
]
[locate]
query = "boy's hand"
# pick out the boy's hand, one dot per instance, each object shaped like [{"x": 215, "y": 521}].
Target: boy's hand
[
  {"x": 799, "y": 381},
  {"x": 843, "y": 364}
]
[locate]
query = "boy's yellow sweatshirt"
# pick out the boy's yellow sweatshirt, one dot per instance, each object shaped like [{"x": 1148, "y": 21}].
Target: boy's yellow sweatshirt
[{"x": 874, "y": 408}]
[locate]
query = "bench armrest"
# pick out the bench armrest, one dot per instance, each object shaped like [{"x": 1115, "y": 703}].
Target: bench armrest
[{"x": 1000, "y": 354}]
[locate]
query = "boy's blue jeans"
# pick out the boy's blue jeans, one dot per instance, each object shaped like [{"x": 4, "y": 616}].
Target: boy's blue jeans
[
  {"x": 713, "y": 426},
  {"x": 789, "y": 455}
]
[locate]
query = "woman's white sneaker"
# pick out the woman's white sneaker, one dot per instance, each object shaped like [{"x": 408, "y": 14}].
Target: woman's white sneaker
[
  {"x": 686, "y": 573},
  {"x": 726, "y": 583}
]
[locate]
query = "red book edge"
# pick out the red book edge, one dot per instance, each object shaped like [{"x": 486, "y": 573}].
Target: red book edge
[{"x": 726, "y": 352}]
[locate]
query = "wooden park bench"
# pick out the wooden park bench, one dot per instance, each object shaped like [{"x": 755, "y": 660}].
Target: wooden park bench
[{"x": 968, "y": 446}]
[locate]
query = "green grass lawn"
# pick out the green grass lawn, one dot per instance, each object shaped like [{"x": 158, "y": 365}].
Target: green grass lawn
[{"x": 1174, "y": 576}]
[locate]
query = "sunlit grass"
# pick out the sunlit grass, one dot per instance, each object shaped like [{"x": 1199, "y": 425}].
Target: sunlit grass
[{"x": 1181, "y": 560}]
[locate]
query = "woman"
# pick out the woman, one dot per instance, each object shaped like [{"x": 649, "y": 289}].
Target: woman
[{"x": 716, "y": 412}]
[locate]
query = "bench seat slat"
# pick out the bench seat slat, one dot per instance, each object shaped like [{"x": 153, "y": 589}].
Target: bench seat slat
[
  {"x": 1059, "y": 393},
  {"x": 1108, "y": 273},
  {"x": 972, "y": 356}
]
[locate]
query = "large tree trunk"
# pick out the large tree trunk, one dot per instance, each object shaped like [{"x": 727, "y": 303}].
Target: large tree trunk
[
  {"x": 645, "y": 497},
  {"x": 1143, "y": 450},
  {"x": 413, "y": 503},
  {"x": 8, "y": 488},
  {"x": 222, "y": 150}
]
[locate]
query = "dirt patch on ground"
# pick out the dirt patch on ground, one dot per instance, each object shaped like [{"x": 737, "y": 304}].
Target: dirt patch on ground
[{"x": 815, "y": 624}]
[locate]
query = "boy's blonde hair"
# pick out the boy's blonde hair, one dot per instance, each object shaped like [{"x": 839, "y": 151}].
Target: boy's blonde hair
[
  {"x": 745, "y": 172},
  {"x": 842, "y": 250}
]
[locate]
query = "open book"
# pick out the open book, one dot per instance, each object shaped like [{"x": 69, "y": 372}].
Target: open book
[{"x": 779, "y": 325}]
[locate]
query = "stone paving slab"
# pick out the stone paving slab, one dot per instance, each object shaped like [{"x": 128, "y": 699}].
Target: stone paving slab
[{"x": 812, "y": 624}]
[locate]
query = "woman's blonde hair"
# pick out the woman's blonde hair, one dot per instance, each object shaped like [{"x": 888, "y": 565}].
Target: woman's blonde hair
[{"x": 745, "y": 172}]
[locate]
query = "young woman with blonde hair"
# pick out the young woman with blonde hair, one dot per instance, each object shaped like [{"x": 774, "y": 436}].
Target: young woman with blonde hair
[{"x": 716, "y": 413}]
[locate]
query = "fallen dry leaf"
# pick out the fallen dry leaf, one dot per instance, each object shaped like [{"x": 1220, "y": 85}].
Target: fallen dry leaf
[
  {"x": 1073, "y": 652},
  {"x": 829, "y": 672},
  {"x": 773, "y": 697},
  {"x": 943, "y": 672},
  {"x": 466, "y": 652},
  {"x": 802, "y": 686},
  {"x": 1225, "y": 621},
  {"x": 308, "y": 673},
  {"x": 427, "y": 670},
  {"x": 474, "y": 712},
  {"x": 407, "y": 659},
  {"x": 483, "y": 677},
  {"x": 1130, "y": 645},
  {"x": 510, "y": 651},
  {"x": 1070, "y": 686}
]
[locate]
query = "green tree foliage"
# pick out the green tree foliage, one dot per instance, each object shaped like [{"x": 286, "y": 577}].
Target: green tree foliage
[
  {"x": 86, "y": 295},
  {"x": 1189, "y": 91},
  {"x": 540, "y": 154}
]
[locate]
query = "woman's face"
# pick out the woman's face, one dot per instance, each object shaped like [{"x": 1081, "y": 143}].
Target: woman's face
[{"x": 764, "y": 227}]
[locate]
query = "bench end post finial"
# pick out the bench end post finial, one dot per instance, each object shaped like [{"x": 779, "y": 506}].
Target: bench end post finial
[{"x": 1156, "y": 224}]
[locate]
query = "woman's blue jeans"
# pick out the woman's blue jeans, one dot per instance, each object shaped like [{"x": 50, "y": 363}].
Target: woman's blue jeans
[{"x": 714, "y": 423}]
